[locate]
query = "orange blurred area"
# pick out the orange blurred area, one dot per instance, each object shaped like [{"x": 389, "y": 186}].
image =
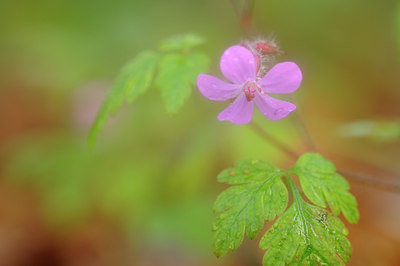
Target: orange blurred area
[{"x": 144, "y": 194}]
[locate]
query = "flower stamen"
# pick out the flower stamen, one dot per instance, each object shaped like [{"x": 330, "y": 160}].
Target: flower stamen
[{"x": 249, "y": 89}]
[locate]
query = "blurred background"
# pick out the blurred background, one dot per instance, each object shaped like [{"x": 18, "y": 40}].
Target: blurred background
[{"x": 144, "y": 194}]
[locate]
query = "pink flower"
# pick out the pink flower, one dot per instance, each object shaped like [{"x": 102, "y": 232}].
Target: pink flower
[{"x": 239, "y": 66}]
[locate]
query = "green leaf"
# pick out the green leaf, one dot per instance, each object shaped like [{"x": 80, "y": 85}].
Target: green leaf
[
  {"x": 258, "y": 193},
  {"x": 182, "y": 42},
  {"x": 373, "y": 130},
  {"x": 134, "y": 79},
  {"x": 177, "y": 74},
  {"x": 138, "y": 74},
  {"x": 323, "y": 186},
  {"x": 306, "y": 235}
]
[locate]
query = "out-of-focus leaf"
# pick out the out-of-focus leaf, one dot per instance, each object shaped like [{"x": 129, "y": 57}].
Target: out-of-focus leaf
[
  {"x": 182, "y": 42},
  {"x": 138, "y": 74},
  {"x": 306, "y": 235},
  {"x": 133, "y": 81},
  {"x": 380, "y": 131},
  {"x": 323, "y": 186},
  {"x": 258, "y": 194},
  {"x": 177, "y": 74}
]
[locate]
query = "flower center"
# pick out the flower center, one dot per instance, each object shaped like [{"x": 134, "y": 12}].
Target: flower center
[{"x": 250, "y": 88}]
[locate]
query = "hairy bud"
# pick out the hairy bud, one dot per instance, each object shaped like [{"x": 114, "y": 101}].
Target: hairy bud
[{"x": 265, "y": 51}]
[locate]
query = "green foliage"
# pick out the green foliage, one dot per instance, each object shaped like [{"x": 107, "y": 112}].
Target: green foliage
[
  {"x": 374, "y": 130},
  {"x": 182, "y": 42},
  {"x": 134, "y": 79},
  {"x": 323, "y": 186},
  {"x": 306, "y": 235},
  {"x": 138, "y": 74},
  {"x": 177, "y": 66},
  {"x": 137, "y": 191},
  {"x": 177, "y": 75},
  {"x": 258, "y": 195}
]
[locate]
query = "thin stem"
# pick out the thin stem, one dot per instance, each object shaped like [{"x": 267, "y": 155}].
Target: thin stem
[
  {"x": 293, "y": 188},
  {"x": 300, "y": 121},
  {"x": 235, "y": 8},
  {"x": 306, "y": 133},
  {"x": 356, "y": 177},
  {"x": 274, "y": 141},
  {"x": 244, "y": 14},
  {"x": 289, "y": 183},
  {"x": 371, "y": 182}
]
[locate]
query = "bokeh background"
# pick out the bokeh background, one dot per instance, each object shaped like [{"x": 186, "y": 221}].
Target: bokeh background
[{"x": 144, "y": 194}]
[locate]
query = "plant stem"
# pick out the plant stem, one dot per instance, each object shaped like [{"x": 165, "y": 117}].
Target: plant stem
[
  {"x": 274, "y": 141},
  {"x": 370, "y": 181},
  {"x": 357, "y": 177},
  {"x": 244, "y": 14},
  {"x": 292, "y": 187},
  {"x": 306, "y": 133},
  {"x": 300, "y": 121}
]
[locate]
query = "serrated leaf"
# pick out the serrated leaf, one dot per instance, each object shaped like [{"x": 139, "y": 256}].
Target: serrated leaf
[
  {"x": 177, "y": 74},
  {"x": 182, "y": 42},
  {"x": 258, "y": 194},
  {"x": 139, "y": 74},
  {"x": 323, "y": 186},
  {"x": 306, "y": 235},
  {"x": 134, "y": 79}
]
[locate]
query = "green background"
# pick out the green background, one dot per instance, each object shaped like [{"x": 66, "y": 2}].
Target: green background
[{"x": 144, "y": 194}]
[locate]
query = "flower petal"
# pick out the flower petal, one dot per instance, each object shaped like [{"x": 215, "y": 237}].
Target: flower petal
[
  {"x": 238, "y": 64},
  {"x": 282, "y": 78},
  {"x": 239, "y": 112},
  {"x": 272, "y": 108},
  {"x": 216, "y": 89}
]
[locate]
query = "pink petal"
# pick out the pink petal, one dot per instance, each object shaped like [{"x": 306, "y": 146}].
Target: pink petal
[
  {"x": 282, "y": 78},
  {"x": 239, "y": 112},
  {"x": 238, "y": 64},
  {"x": 272, "y": 108},
  {"x": 216, "y": 89}
]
